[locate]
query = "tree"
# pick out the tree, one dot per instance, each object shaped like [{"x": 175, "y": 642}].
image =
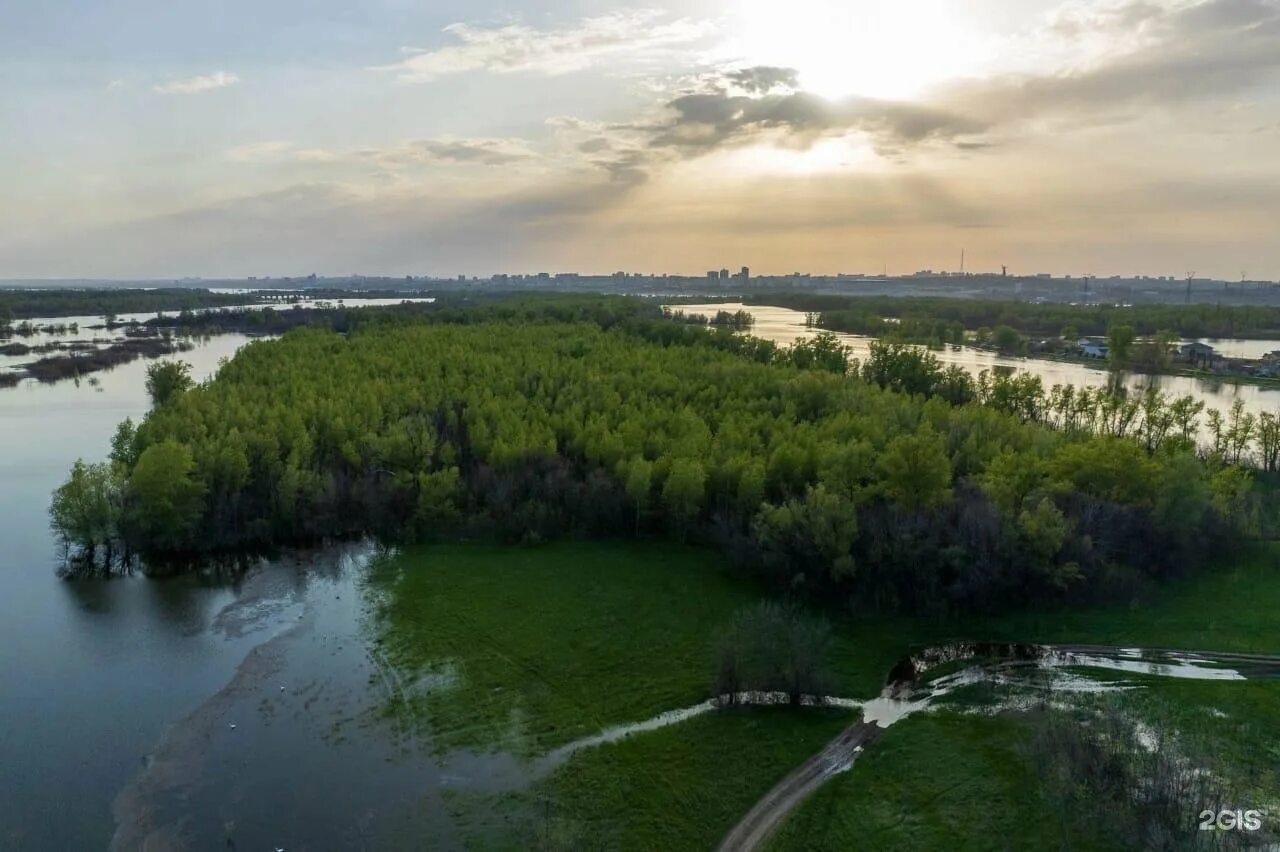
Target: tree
[
  {"x": 85, "y": 510},
  {"x": 915, "y": 471},
  {"x": 122, "y": 444},
  {"x": 772, "y": 647},
  {"x": 639, "y": 486},
  {"x": 818, "y": 531},
  {"x": 164, "y": 501},
  {"x": 1007, "y": 339},
  {"x": 168, "y": 379},
  {"x": 823, "y": 351},
  {"x": 1120, "y": 340},
  {"x": 683, "y": 493}
]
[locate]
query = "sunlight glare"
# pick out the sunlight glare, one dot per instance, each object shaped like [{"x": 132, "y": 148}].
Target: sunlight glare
[{"x": 869, "y": 48}]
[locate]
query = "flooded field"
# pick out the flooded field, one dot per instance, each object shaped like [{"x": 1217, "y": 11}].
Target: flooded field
[{"x": 87, "y": 333}]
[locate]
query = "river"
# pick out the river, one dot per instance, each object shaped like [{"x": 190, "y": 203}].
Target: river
[
  {"x": 785, "y": 326},
  {"x": 202, "y": 712}
]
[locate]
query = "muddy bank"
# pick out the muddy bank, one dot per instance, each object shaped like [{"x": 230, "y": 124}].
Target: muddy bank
[{"x": 306, "y": 747}]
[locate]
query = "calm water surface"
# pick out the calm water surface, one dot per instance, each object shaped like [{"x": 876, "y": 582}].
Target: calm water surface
[
  {"x": 118, "y": 696},
  {"x": 784, "y": 326}
]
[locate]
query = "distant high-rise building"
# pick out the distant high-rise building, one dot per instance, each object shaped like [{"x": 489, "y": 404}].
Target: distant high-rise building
[
  {"x": 712, "y": 274},
  {"x": 746, "y": 273}
]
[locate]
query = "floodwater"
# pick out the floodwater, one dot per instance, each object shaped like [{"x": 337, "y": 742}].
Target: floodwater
[
  {"x": 120, "y": 695},
  {"x": 85, "y": 332},
  {"x": 784, "y": 326}
]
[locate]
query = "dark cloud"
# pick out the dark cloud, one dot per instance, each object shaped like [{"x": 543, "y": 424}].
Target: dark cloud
[
  {"x": 711, "y": 119},
  {"x": 763, "y": 78}
]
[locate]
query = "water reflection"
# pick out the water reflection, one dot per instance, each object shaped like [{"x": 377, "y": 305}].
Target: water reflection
[
  {"x": 785, "y": 326},
  {"x": 91, "y": 671}
]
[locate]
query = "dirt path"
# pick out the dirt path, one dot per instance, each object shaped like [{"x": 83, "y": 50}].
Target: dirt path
[
  {"x": 768, "y": 813},
  {"x": 838, "y": 755}
]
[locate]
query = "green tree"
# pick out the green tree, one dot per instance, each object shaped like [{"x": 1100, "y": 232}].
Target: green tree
[
  {"x": 1120, "y": 340},
  {"x": 164, "y": 500},
  {"x": 168, "y": 379},
  {"x": 915, "y": 472},
  {"x": 639, "y": 486},
  {"x": 818, "y": 531},
  {"x": 85, "y": 510},
  {"x": 683, "y": 493},
  {"x": 771, "y": 647},
  {"x": 1007, "y": 339}
]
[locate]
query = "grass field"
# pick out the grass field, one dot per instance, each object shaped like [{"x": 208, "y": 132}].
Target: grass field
[
  {"x": 681, "y": 787},
  {"x": 949, "y": 780},
  {"x": 937, "y": 781},
  {"x": 540, "y": 646}
]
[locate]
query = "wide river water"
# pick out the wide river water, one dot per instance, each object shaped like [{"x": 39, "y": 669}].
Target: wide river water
[
  {"x": 785, "y": 326},
  {"x": 204, "y": 712}
]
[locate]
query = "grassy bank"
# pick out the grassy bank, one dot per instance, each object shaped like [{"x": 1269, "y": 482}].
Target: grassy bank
[
  {"x": 941, "y": 781},
  {"x": 535, "y": 647},
  {"x": 678, "y": 788}
]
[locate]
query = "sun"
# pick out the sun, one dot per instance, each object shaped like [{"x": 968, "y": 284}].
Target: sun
[{"x": 886, "y": 49}]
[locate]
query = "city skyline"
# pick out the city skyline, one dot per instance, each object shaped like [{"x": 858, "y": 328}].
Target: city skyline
[{"x": 1118, "y": 137}]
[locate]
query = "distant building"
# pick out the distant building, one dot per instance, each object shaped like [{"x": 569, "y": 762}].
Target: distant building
[
  {"x": 1093, "y": 348},
  {"x": 1197, "y": 353},
  {"x": 713, "y": 275},
  {"x": 745, "y": 273}
]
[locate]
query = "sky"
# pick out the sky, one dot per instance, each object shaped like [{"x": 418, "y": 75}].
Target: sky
[{"x": 173, "y": 138}]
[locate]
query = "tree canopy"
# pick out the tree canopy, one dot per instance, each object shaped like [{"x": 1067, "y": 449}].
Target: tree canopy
[{"x": 599, "y": 420}]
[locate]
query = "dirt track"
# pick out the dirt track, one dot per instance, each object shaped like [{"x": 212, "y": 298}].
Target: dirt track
[
  {"x": 765, "y": 816},
  {"x": 768, "y": 813}
]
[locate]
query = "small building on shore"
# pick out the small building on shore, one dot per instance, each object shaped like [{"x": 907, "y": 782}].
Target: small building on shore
[
  {"x": 1093, "y": 347},
  {"x": 1197, "y": 353}
]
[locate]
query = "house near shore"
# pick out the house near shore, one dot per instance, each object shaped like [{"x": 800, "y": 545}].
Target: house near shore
[
  {"x": 1198, "y": 353},
  {"x": 1092, "y": 347}
]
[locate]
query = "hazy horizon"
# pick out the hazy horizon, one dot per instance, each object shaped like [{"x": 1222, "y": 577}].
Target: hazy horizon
[{"x": 1112, "y": 137}]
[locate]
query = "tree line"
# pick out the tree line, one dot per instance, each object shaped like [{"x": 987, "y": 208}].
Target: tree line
[
  {"x": 926, "y": 318},
  {"x": 529, "y": 419},
  {"x": 22, "y": 304}
]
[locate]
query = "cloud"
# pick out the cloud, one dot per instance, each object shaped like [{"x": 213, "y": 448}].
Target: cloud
[
  {"x": 519, "y": 48},
  {"x": 479, "y": 151},
  {"x": 196, "y": 85},
  {"x": 763, "y": 78},
  {"x": 482, "y": 151},
  {"x": 1162, "y": 55},
  {"x": 257, "y": 152}
]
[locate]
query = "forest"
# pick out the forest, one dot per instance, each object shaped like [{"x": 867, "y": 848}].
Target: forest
[
  {"x": 924, "y": 320},
  {"x": 893, "y": 484},
  {"x": 24, "y": 304}
]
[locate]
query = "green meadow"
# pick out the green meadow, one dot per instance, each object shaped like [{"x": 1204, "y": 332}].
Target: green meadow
[{"x": 526, "y": 649}]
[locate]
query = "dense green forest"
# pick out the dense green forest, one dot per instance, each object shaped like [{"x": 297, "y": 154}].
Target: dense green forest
[
  {"x": 905, "y": 488},
  {"x": 945, "y": 320},
  {"x": 23, "y": 304}
]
